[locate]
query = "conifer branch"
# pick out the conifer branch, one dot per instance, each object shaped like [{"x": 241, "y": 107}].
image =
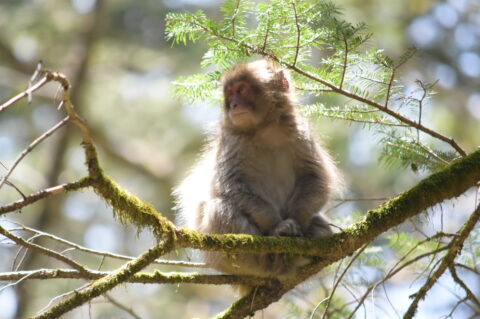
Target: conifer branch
[{"x": 337, "y": 89}]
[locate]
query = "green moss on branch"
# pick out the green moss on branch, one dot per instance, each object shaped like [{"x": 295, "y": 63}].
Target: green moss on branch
[{"x": 448, "y": 183}]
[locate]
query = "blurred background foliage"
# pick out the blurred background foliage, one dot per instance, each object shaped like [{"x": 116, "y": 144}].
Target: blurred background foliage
[{"x": 121, "y": 68}]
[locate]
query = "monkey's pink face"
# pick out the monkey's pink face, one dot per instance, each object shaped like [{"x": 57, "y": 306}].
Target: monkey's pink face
[{"x": 240, "y": 104}]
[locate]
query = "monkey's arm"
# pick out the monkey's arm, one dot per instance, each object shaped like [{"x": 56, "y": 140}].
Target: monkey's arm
[
  {"x": 236, "y": 194},
  {"x": 311, "y": 193},
  {"x": 257, "y": 210}
]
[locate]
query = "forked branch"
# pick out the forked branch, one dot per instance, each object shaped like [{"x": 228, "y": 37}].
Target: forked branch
[{"x": 450, "y": 182}]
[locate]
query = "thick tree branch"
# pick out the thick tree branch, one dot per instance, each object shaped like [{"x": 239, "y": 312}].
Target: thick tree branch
[
  {"x": 448, "y": 183},
  {"x": 427, "y": 193},
  {"x": 451, "y": 182}
]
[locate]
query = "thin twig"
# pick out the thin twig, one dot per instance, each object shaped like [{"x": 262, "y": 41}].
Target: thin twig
[
  {"x": 371, "y": 80},
  {"x": 389, "y": 88},
  {"x": 345, "y": 61},
  {"x": 454, "y": 308},
  {"x": 48, "y": 252},
  {"x": 19, "y": 280},
  {"x": 32, "y": 146},
  {"x": 297, "y": 47},
  {"x": 17, "y": 267},
  {"x": 265, "y": 38},
  {"x": 420, "y": 107},
  {"x": 349, "y": 119},
  {"x": 23, "y": 94},
  {"x": 349, "y": 200},
  {"x": 234, "y": 17},
  {"x": 359, "y": 252},
  {"x": 456, "y": 246},
  {"x": 396, "y": 269},
  {"x": 475, "y": 271},
  {"x": 432, "y": 153},
  {"x": 11, "y": 184},
  {"x": 314, "y": 90},
  {"x": 85, "y": 182},
  {"x": 8, "y": 183},
  {"x": 107, "y": 254},
  {"x": 468, "y": 291},
  {"x": 120, "y": 306},
  {"x": 68, "y": 293},
  {"x": 357, "y": 111},
  {"x": 33, "y": 78},
  {"x": 318, "y": 306},
  {"x": 106, "y": 283}
]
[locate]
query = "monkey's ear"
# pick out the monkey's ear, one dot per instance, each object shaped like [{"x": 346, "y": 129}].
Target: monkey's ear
[{"x": 283, "y": 78}]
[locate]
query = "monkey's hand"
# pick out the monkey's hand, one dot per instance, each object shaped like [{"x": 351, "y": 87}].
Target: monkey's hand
[{"x": 287, "y": 227}]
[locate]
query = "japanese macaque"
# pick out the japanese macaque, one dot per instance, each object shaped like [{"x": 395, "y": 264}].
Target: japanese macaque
[{"x": 263, "y": 174}]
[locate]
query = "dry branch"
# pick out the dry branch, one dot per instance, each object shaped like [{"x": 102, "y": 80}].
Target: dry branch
[
  {"x": 47, "y": 252},
  {"x": 44, "y": 193}
]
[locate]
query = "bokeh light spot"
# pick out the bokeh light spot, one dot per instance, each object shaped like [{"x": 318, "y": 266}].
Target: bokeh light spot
[
  {"x": 473, "y": 105},
  {"x": 423, "y": 31},
  {"x": 469, "y": 64},
  {"x": 446, "y": 15}
]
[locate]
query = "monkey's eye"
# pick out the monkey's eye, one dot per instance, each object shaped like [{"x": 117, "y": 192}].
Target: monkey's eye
[{"x": 242, "y": 89}]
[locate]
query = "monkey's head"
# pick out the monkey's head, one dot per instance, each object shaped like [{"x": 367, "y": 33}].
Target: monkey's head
[{"x": 255, "y": 93}]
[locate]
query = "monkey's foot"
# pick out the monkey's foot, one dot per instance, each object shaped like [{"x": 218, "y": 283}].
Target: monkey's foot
[{"x": 287, "y": 227}]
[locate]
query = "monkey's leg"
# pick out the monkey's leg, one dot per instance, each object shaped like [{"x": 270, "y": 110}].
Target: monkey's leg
[
  {"x": 220, "y": 216},
  {"x": 319, "y": 227},
  {"x": 306, "y": 201}
]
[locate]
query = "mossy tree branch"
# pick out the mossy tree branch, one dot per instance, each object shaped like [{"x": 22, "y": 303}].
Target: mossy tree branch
[
  {"x": 106, "y": 283},
  {"x": 448, "y": 183},
  {"x": 430, "y": 191},
  {"x": 156, "y": 277}
]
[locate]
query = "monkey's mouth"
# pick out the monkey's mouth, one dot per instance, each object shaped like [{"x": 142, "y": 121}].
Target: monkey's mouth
[
  {"x": 241, "y": 110},
  {"x": 240, "y": 113}
]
